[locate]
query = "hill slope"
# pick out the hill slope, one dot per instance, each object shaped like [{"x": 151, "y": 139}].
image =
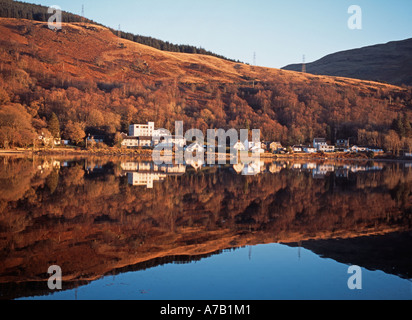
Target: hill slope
[
  {"x": 390, "y": 62},
  {"x": 97, "y": 83},
  {"x": 23, "y": 10}
]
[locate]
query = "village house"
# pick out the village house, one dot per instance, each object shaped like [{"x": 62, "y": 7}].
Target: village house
[
  {"x": 375, "y": 149},
  {"x": 297, "y": 148},
  {"x": 135, "y": 142},
  {"x": 239, "y": 146},
  {"x": 358, "y": 149},
  {"x": 318, "y": 142},
  {"x": 342, "y": 143},
  {"x": 274, "y": 146},
  {"x": 321, "y": 145},
  {"x": 326, "y": 148},
  {"x": 195, "y": 147},
  {"x": 95, "y": 138},
  {"x": 310, "y": 150},
  {"x": 255, "y": 147}
]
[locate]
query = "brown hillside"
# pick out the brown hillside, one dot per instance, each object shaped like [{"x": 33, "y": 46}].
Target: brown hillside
[
  {"x": 90, "y": 51},
  {"x": 123, "y": 82}
]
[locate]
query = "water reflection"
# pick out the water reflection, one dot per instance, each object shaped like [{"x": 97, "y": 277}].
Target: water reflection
[
  {"x": 90, "y": 217},
  {"x": 145, "y": 173}
]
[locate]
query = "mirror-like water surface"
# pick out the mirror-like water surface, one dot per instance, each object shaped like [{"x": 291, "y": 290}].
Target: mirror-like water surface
[{"x": 128, "y": 229}]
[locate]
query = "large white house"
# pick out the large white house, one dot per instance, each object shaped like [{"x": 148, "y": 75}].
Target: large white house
[
  {"x": 145, "y": 135},
  {"x": 321, "y": 145},
  {"x": 141, "y": 130}
]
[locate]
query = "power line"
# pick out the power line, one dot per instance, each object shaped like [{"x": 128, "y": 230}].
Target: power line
[{"x": 304, "y": 64}]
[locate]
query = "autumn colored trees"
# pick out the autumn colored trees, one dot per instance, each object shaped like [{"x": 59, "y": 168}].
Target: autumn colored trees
[
  {"x": 15, "y": 126},
  {"x": 285, "y": 109}
]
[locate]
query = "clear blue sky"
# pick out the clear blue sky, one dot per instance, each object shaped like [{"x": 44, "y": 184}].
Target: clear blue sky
[{"x": 279, "y": 31}]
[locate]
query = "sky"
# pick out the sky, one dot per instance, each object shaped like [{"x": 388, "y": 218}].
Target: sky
[{"x": 276, "y": 32}]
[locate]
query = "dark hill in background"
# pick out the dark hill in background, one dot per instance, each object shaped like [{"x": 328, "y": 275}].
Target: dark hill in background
[{"x": 390, "y": 63}]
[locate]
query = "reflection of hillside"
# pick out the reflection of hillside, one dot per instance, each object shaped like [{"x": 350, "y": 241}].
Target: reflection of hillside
[
  {"x": 91, "y": 224},
  {"x": 390, "y": 253}
]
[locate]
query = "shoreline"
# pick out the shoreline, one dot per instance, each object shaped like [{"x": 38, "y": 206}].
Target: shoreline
[{"x": 145, "y": 154}]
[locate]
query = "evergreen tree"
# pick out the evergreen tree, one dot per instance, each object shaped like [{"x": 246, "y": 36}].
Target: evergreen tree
[
  {"x": 54, "y": 125},
  {"x": 406, "y": 125}
]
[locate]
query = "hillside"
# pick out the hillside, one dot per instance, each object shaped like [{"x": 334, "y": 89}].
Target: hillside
[
  {"x": 96, "y": 83},
  {"x": 390, "y": 63},
  {"x": 24, "y": 10}
]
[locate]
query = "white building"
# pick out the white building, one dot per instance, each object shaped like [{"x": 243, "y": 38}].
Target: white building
[
  {"x": 321, "y": 145},
  {"x": 326, "y": 148},
  {"x": 134, "y": 142},
  {"x": 256, "y": 148},
  {"x": 239, "y": 146},
  {"x": 318, "y": 142},
  {"x": 297, "y": 148},
  {"x": 141, "y": 130},
  {"x": 195, "y": 147},
  {"x": 310, "y": 150},
  {"x": 358, "y": 149}
]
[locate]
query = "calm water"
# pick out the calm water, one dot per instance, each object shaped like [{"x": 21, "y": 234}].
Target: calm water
[{"x": 122, "y": 229}]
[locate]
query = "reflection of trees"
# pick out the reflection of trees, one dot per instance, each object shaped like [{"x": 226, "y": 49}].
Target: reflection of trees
[
  {"x": 97, "y": 222},
  {"x": 52, "y": 180}
]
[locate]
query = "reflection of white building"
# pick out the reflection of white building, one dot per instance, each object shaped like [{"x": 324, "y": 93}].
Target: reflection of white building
[
  {"x": 195, "y": 163},
  {"x": 322, "y": 170},
  {"x": 253, "y": 168},
  {"x": 276, "y": 167},
  {"x": 309, "y": 166},
  {"x": 144, "y": 178},
  {"x": 145, "y": 173},
  {"x": 238, "y": 167}
]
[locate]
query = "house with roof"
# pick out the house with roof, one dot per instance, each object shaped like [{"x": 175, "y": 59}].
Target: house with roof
[
  {"x": 274, "y": 146},
  {"x": 256, "y": 148},
  {"x": 321, "y": 145},
  {"x": 195, "y": 147},
  {"x": 319, "y": 142},
  {"x": 135, "y": 142},
  {"x": 342, "y": 143},
  {"x": 239, "y": 146},
  {"x": 310, "y": 150},
  {"x": 297, "y": 148}
]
